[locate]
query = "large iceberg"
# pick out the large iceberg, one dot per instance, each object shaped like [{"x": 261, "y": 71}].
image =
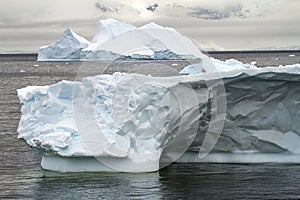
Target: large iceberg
[
  {"x": 136, "y": 123},
  {"x": 115, "y": 39}
]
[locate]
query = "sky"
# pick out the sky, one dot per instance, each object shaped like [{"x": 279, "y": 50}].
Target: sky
[{"x": 25, "y": 25}]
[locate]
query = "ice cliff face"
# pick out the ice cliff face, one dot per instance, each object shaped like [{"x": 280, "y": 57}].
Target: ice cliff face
[
  {"x": 261, "y": 119},
  {"x": 115, "y": 39},
  {"x": 68, "y": 47},
  {"x": 262, "y": 112},
  {"x": 138, "y": 122},
  {"x": 123, "y": 120}
]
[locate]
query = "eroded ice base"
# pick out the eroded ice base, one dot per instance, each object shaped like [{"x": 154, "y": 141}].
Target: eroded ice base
[
  {"x": 92, "y": 164},
  {"x": 246, "y": 157}
]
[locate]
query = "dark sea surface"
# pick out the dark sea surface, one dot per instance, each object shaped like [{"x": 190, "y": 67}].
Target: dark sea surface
[{"x": 22, "y": 178}]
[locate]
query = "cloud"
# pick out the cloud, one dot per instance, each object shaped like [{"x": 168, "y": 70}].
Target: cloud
[
  {"x": 102, "y": 8},
  {"x": 152, "y": 7},
  {"x": 229, "y": 24},
  {"x": 212, "y": 14},
  {"x": 202, "y": 9}
]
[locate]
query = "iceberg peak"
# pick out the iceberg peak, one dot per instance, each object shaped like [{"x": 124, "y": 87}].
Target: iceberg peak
[
  {"x": 70, "y": 33},
  {"x": 68, "y": 47},
  {"x": 152, "y": 25},
  {"x": 109, "y": 28}
]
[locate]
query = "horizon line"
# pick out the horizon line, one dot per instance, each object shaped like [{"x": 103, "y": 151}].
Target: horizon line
[{"x": 204, "y": 51}]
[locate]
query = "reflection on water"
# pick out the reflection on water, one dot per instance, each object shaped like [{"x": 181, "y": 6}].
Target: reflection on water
[
  {"x": 87, "y": 185},
  {"x": 215, "y": 181},
  {"x": 21, "y": 176},
  {"x": 208, "y": 181}
]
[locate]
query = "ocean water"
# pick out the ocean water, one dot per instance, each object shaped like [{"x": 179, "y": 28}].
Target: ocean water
[{"x": 22, "y": 178}]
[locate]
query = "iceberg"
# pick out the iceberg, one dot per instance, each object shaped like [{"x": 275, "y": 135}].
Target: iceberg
[
  {"x": 115, "y": 39},
  {"x": 136, "y": 123},
  {"x": 68, "y": 48},
  {"x": 214, "y": 65}
]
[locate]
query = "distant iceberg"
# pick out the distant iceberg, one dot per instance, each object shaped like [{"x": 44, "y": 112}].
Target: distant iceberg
[
  {"x": 115, "y": 39},
  {"x": 207, "y": 65},
  {"x": 68, "y": 47}
]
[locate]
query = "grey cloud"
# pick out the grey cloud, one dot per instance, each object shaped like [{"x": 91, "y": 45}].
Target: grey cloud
[
  {"x": 102, "y": 8},
  {"x": 212, "y": 14},
  {"x": 152, "y": 7}
]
